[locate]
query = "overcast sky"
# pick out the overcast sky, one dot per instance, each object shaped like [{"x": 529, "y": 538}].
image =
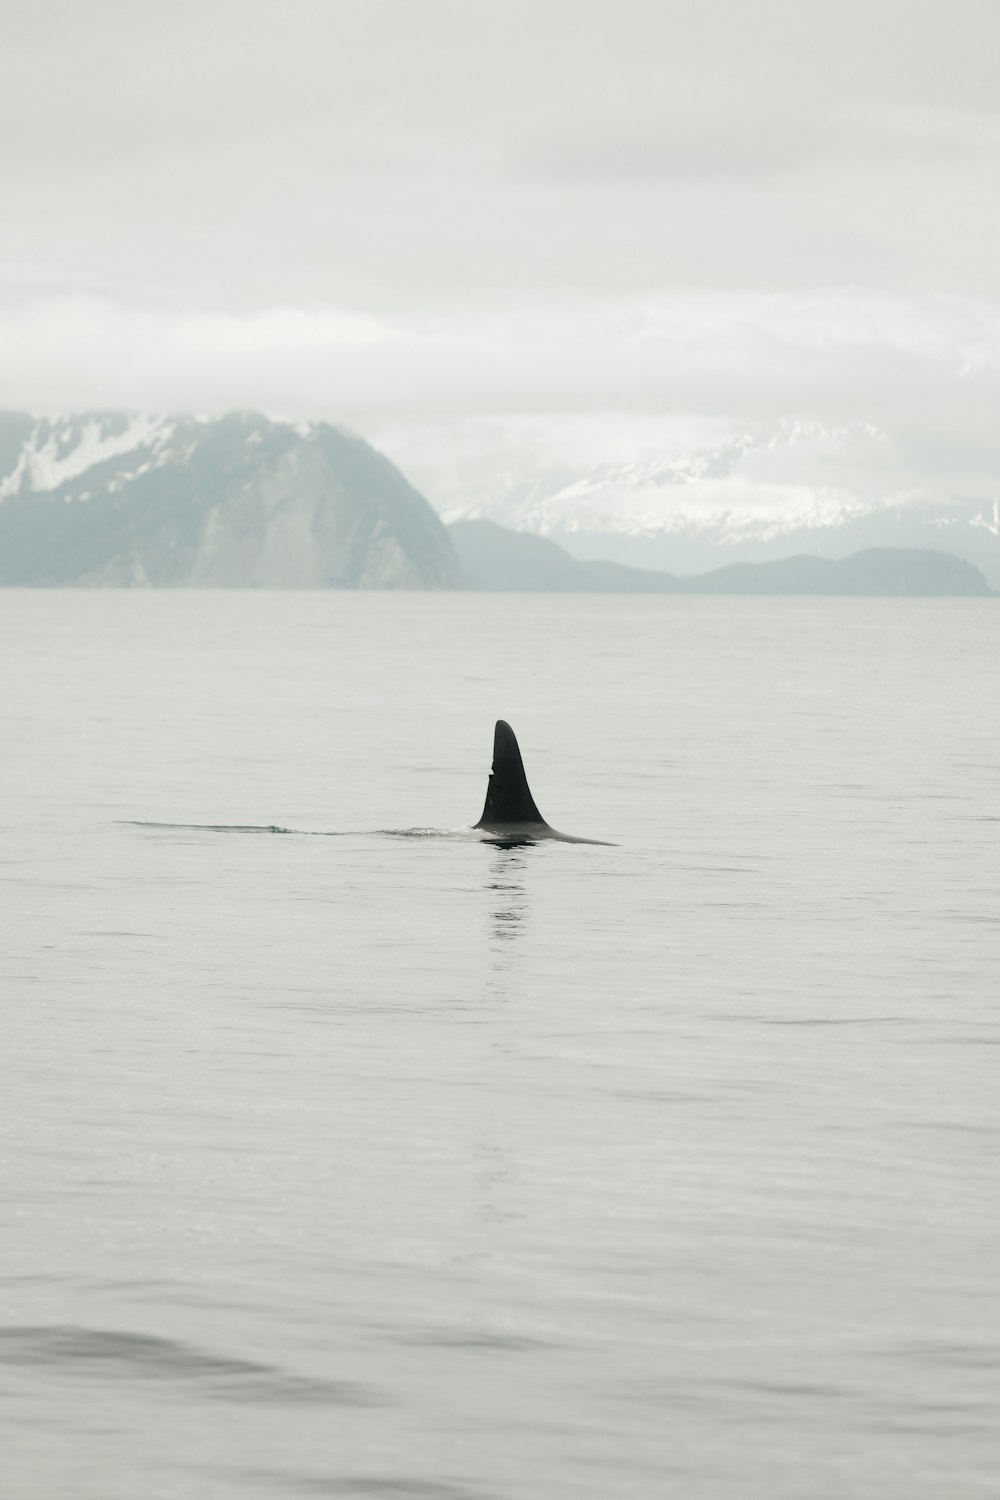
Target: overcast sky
[{"x": 593, "y": 226}]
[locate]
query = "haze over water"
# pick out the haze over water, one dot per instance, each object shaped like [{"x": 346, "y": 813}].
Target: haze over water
[{"x": 420, "y": 1169}]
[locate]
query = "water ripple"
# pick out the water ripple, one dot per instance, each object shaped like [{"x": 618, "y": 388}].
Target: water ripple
[
  {"x": 388, "y": 1487},
  {"x": 110, "y": 1355}
]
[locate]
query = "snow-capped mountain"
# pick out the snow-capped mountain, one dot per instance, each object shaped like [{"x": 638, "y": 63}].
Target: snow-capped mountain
[
  {"x": 800, "y": 487},
  {"x": 242, "y": 501},
  {"x": 52, "y": 452}
]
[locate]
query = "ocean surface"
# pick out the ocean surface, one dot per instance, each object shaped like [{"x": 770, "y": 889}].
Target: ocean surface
[{"x": 368, "y": 1160}]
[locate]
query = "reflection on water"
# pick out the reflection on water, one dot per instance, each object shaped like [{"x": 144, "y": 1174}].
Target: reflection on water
[
  {"x": 495, "y": 1155},
  {"x": 508, "y": 895}
]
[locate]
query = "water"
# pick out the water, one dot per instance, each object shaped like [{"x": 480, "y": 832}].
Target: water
[{"x": 419, "y": 1169}]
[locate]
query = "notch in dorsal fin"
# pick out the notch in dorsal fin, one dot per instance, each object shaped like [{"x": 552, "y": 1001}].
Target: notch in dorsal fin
[{"x": 508, "y": 798}]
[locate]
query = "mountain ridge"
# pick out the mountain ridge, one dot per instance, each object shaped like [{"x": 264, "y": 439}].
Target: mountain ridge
[
  {"x": 504, "y": 561},
  {"x": 126, "y": 499},
  {"x": 129, "y": 500},
  {"x": 755, "y": 496}
]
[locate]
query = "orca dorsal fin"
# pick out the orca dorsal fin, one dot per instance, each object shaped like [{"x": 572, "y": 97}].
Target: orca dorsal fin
[{"x": 508, "y": 798}]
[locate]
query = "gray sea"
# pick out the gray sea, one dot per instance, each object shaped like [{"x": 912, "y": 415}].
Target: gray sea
[{"x": 364, "y": 1159}]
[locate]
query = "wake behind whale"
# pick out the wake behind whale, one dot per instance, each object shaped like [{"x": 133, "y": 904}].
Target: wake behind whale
[{"x": 510, "y": 816}]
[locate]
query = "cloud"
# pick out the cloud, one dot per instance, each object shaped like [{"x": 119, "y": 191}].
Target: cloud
[
  {"x": 751, "y": 354},
  {"x": 448, "y": 217},
  {"x": 388, "y": 154}
]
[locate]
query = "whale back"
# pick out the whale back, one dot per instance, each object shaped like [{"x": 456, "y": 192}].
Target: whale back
[{"x": 508, "y": 797}]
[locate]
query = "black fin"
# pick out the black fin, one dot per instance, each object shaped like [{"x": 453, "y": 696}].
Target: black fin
[{"x": 508, "y": 799}]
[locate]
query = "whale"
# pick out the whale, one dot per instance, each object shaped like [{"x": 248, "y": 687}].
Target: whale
[{"x": 510, "y": 815}]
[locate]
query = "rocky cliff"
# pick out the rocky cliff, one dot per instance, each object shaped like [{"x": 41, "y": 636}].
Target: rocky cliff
[{"x": 236, "y": 502}]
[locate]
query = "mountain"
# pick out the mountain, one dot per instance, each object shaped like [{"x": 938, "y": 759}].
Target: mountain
[
  {"x": 887, "y": 572},
  {"x": 760, "y": 495},
  {"x": 242, "y": 501},
  {"x": 500, "y": 560},
  {"x": 120, "y": 499}
]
